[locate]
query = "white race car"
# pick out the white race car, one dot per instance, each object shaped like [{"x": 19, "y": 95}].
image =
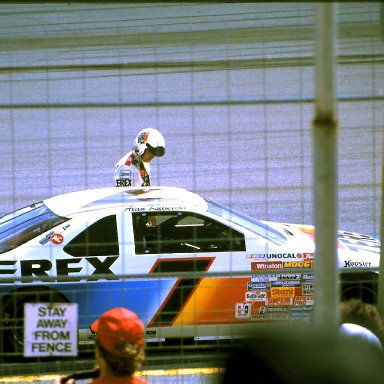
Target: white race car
[{"x": 188, "y": 266}]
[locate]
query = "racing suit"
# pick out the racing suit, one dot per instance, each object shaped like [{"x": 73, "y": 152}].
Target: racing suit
[{"x": 131, "y": 171}]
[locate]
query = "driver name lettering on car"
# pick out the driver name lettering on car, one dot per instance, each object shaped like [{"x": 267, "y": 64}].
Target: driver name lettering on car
[{"x": 153, "y": 208}]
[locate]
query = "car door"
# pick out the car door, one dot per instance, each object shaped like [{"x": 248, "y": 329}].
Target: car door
[{"x": 183, "y": 246}]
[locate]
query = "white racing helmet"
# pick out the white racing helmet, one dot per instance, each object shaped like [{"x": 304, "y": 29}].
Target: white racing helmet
[{"x": 151, "y": 139}]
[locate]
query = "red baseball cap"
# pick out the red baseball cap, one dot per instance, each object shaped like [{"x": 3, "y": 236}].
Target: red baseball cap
[{"x": 118, "y": 326}]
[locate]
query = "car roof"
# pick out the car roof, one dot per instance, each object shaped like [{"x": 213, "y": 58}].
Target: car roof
[{"x": 124, "y": 198}]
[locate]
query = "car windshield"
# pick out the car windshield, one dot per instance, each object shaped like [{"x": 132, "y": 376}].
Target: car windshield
[
  {"x": 20, "y": 226},
  {"x": 247, "y": 222}
]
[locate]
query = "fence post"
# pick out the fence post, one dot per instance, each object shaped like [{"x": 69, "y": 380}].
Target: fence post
[
  {"x": 325, "y": 125},
  {"x": 380, "y": 289}
]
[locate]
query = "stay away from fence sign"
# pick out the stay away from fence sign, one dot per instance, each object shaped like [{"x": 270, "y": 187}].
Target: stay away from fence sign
[{"x": 50, "y": 329}]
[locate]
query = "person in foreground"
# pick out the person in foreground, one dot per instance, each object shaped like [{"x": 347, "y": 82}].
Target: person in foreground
[
  {"x": 119, "y": 347},
  {"x": 362, "y": 320},
  {"x": 301, "y": 354}
]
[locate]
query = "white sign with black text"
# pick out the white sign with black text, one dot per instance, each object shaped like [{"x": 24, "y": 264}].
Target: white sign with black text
[{"x": 50, "y": 329}]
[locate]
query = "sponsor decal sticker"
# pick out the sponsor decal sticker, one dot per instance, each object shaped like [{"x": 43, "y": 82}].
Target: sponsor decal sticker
[
  {"x": 125, "y": 173},
  {"x": 356, "y": 264},
  {"x": 56, "y": 238},
  {"x": 264, "y": 309},
  {"x": 308, "y": 289},
  {"x": 308, "y": 308},
  {"x": 263, "y": 278},
  {"x": 271, "y": 316},
  {"x": 297, "y": 264},
  {"x": 266, "y": 265},
  {"x": 282, "y": 292},
  {"x": 279, "y": 301},
  {"x": 304, "y": 300},
  {"x": 63, "y": 269},
  {"x": 277, "y": 277},
  {"x": 242, "y": 311},
  {"x": 309, "y": 256},
  {"x": 263, "y": 256},
  {"x": 257, "y": 285},
  {"x": 255, "y": 296},
  {"x": 286, "y": 283}
]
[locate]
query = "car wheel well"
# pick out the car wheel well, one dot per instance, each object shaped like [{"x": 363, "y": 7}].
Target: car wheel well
[
  {"x": 12, "y": 314},
  {"x": 359, "y": 285}
]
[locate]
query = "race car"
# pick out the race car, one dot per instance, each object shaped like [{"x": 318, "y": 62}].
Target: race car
[{"x": 189, "y": 267}]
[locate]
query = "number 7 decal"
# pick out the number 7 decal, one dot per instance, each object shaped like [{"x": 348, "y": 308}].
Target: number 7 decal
[{"x": 182, "y": 290}]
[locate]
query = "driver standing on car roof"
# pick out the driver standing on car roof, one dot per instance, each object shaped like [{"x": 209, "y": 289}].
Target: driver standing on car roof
[{"x": 133, "y": 170}]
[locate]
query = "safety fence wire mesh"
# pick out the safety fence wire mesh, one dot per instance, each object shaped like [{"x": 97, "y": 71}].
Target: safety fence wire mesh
[{"x": 231, "y": 88}]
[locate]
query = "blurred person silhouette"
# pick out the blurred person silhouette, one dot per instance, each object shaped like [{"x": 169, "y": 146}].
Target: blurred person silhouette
[
  {"x": 119, "y": 349},
  {"x": 133, "y": 169},
  {"x": 361, "y": 320},
  {"x": 300, "y": 354}
]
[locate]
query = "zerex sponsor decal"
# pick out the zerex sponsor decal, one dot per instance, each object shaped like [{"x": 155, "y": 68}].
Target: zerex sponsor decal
[
  {"x": 356, "y": 264},
  {"x": 64, "y": 268},
  {"x": 279, "y": 301},
  {"x": 255, "y": 296},
  {"x": 286, "y": 283},
  {"x": 263, "y": 256},
  {"x": 282, "y": 292},
  {"x": 304, "y": 300},
  {"x": 308, "y": 289},
  {"x": 256, "y": 285},
  {"x": 297, "y": 264},
  {"x": 242, "y": 311},
  {"x": 264, "y": 309},
  {"x": 266, "y": 265}
]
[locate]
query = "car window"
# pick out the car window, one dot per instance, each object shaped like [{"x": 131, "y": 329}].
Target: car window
[
  {"x": 99, "y": 239},
  {"x": 258, "y": 227},
  {"x": 183, "y": 232},
  {"x": 25, "y": 224}
]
